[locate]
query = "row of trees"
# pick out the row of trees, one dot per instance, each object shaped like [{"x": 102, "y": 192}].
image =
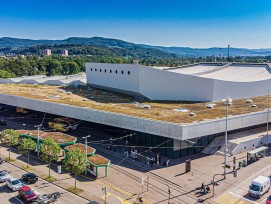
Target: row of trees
[
  {"x": 32, "y": 65},
  {"x": 58, "y": 65},
  {"x": 75, "y": 160}
]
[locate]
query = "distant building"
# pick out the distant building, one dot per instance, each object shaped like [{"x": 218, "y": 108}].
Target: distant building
[
  {"x": 47, "y": 52},
  {"x": 65, "y": 52}
]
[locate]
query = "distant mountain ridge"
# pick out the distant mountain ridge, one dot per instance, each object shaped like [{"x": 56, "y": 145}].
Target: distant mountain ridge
[{"x": 7, "y": 43}]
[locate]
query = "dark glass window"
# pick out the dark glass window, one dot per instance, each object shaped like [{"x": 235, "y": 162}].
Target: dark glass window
[
  {"x": 128, "y": 72},
  {"x": 116, "y": 71},
  {"x": 105, "y": 71},
  {"x": 100, "y": 70},
  {"x": 95, "y": 70},
  {"x": 110, "y": 71},
  {"x": 122, "y": 72}
]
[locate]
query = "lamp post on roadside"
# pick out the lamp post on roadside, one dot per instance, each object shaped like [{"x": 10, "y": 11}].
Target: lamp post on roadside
[
  {"x": 38, "y": 141},
  {"x": 169, "y": 192},
  {"x": 105, "y": 194},
  {"x": 268, "y": 111},
  {"x": 86, "y": 143},
  {"x": 228, "y": 102}
]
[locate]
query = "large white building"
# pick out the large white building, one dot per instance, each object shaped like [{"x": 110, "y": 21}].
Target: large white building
[{"x": 199, "y": 82}]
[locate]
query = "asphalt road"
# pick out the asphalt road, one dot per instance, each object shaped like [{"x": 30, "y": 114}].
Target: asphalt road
[
  {"x": 40, "y": 187},
  {"x": 238, "y": 194}
]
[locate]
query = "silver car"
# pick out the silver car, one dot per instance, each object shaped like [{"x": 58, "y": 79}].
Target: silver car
[
  {"x": 4, "y": 176},
  {"x": 14, "y": 184}
]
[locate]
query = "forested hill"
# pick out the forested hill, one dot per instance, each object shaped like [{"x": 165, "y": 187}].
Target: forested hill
[{"x": 8, "y": 45}]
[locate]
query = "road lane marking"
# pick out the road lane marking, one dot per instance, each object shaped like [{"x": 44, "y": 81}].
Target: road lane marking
[
  {"x": 234, "y": 201},
  {"x": 222, "y": 198},
  {"x": 16, "y": 198},
  {"x": 242, "y": 197}
]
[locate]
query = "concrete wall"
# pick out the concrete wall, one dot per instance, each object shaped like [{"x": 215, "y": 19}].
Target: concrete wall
[
  {"x": 164, "y": 85},
  {"x": 251, "y": 144},
  {"x": 96, "y": 75},
  {"x": 118, "y": 120},
  {"x": 223, "y": 89},
  {"x": 218, "y": 126},
  {"x": 170, "y": 130}
]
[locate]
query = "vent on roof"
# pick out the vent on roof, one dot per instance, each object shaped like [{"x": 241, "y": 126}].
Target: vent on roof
[
  {"x": 84, "y": 99},
  {"x": 192, "y": 114},
  {"x": 209, "y": 105},
  {"x": 183, "y": 110},
  {"x": 248, "y": 101},
  {"x": 145, "y": 106}
]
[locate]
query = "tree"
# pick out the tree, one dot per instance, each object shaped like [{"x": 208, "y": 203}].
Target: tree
[
  {"x": 9, "y": 138},
  {"x": 26, "y": 146},
  {"x": 50, "y": 151},
  {"x": 75, "y": 162}
]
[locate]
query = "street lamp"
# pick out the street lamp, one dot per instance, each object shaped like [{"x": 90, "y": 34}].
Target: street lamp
[
  {"x": 38, "y": 142},
  {"x": 228, "y": 102},
  {"x": 169, "y": 192},
  {"x": 86, "y": 143}
]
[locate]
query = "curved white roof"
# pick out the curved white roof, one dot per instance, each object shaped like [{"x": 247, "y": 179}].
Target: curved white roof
[{"x": 229, "y": 72}]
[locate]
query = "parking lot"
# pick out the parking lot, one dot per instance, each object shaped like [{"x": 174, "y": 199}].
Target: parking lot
[{"x": 40, "y": 187}]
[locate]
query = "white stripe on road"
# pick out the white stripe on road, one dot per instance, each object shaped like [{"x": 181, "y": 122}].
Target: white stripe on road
[
  {"x": 17, "y": 198},
  {"x": 242, "y": 197},
  {"x": 120, "y": 200}
]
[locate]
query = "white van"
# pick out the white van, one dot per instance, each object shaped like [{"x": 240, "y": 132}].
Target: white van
[{"x": 259, "y": 186}]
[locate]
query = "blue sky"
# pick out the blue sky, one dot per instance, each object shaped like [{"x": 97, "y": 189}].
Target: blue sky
[{"x": 193, "y": 23}]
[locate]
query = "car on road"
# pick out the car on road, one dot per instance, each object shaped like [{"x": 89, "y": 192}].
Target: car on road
[
  {"x": 29, "y": 178},
  {"x": 3, "y": 122},
  {"x": 4, "y": 176},
  {"x": 268, "y": 200},
  {"x": 259, "y": 186},
  {"x": 27, "y": 194},
  {"x": 14, "y": 184},
  {"x": 1, "y": 161}
]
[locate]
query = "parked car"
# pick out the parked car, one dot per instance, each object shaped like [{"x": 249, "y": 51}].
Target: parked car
[
  {"x": 30, "y": 178},
  {"x": 14, "y": 184},
  {"x": 1, "y": 161},
  {"x": 259, "y": 186},
  {"x": 27, "y": 194},
  {"x": 4, "y": 176},
  {"x": 3, "y": 122},
  {"x": 268, "y": 200}
]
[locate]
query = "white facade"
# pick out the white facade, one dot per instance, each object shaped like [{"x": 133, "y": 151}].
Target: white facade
[{"x": 201, "y": 82}]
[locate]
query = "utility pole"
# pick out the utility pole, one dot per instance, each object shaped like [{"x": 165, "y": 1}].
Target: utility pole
[
  {"x": 268, "y": 111},
  {"x": 38, "y": 141},
  {"x": 228, "y": 101},
  {"x": 105, "y": 194},
  {"x": 142, "y": 185},
  {"x": 86, "y": 143},
  {"x": 169, "y": 192},
  {"x": 148, "y": 182},
  {"x": 228, "y": 52}
]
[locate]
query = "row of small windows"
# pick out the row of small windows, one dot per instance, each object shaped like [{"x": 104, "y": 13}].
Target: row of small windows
[{"x": 116, "y": 71}]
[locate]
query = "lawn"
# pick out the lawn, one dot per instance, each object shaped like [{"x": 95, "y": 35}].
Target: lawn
[{"x": 119, "y": 103}]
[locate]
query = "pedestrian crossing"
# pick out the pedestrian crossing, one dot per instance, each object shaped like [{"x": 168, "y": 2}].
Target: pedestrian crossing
[{"x": 227, "y": 198}]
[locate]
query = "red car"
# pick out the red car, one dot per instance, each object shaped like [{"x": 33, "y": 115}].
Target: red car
[
  {"x": 268, "y": 201},
  {"x": 27, "y": 194}
]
